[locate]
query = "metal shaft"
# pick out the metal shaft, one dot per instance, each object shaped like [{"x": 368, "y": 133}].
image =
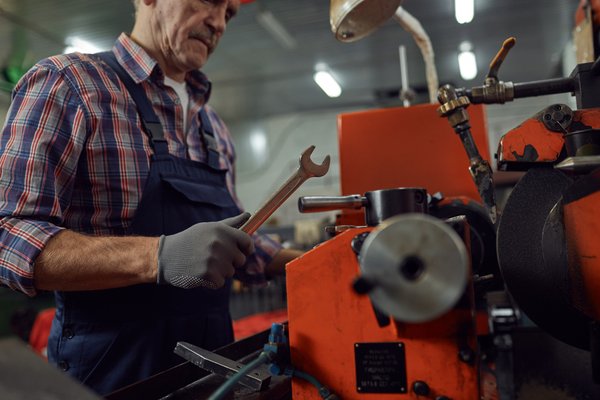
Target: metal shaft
[{"x": 309, "y": 204}]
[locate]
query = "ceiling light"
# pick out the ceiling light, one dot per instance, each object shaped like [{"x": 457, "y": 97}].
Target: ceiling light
[
  {"x": 267, "y": 20},
  {"x": 464, "y": 10},
  {"x": 76, "y": 44},
  {"x": 467, "y": 62},
  {"x": 327, "y": 82},
  {"x": 258, "y": 142}
]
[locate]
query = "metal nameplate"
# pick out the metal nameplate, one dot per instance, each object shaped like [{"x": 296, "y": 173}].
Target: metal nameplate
[{"x": 380, "y": 367}]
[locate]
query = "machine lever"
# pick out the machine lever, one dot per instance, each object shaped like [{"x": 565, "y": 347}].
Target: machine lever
[
  {"x": 307, "y": 204},
  {"x": 499, "y": 58},
  {"x": 307, "y": 169},
  {"x": 256, "y": 380}
]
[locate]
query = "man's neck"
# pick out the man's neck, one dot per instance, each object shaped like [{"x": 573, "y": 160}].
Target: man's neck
[{"x": 178, "y": 78}]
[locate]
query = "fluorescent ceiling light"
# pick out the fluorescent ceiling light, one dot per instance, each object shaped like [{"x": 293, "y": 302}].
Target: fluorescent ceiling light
[
  {"x": 467, "y": 62},
  {"x": 76, "y": 44},
  {"x": 326, "y": 81},
  {"x": 267, "y": 20},
  {"x": 464, "y": 10}
]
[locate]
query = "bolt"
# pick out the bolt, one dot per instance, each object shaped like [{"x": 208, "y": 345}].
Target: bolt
[
  {"x": 420, "y": 197},
  {"x": 358, "y": 241},
  {"x": 446, "y": 93},
  {"x": 420, "y": 388},
  {"x": 362, "y": 285},
  {"x": 466, "y": 355},
  {"x": 558, "y": 116}
]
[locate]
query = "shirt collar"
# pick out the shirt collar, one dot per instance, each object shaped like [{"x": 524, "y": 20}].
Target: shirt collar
[{"x": 141, "y": 66}]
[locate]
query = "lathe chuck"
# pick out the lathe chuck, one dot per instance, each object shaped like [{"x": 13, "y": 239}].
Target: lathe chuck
[{"x": 419, "y": 266}]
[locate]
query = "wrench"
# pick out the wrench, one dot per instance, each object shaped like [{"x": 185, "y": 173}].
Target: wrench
[{"x": 307, "y": 169}]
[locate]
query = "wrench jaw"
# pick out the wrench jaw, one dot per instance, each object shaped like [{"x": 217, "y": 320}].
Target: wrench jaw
[{"x": 309, "y": 167}]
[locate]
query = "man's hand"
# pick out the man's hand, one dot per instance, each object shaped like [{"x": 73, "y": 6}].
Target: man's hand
[{"x": 204, "y": 254}]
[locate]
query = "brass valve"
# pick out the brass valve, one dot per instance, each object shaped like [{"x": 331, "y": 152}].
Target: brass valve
[
  {"x": 452, "y": 106},
  {"x": 495, "y": 91}
]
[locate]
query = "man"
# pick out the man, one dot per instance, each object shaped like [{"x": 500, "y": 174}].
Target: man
[{"x": 108, "y": 179}]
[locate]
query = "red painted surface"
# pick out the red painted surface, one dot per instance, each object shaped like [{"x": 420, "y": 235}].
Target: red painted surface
[
  {"x": 407, "y": 147},
  {"x": 582, "y": 224},
  {"x": 327, "y": 319}
]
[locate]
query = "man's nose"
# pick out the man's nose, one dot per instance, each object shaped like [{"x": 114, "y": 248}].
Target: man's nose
[{"x": 217, "y": 20}]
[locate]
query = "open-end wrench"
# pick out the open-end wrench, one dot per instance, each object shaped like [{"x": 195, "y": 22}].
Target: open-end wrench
[{"x": 307, "y": 169}]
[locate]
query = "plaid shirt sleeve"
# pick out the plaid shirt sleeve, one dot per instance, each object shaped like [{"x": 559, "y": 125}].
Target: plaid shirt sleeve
[{"x": 39, "y": 148}]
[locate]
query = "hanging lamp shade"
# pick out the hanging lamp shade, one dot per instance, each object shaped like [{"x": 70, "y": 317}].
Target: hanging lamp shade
[{"x": 352, "y": 20}]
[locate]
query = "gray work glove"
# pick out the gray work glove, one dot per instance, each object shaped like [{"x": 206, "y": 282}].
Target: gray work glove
[{"x": 205, "y": 254}]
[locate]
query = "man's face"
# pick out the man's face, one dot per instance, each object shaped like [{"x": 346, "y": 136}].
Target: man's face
[{"x": 188, "y": 31}]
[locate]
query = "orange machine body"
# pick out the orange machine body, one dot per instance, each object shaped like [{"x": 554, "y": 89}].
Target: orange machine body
[
  {"x": 329, "y": 322},
  {"x": 407, "y": 147},
  {"x": 533, "y": 142},
  {"x": 530, "y": 142},
  {"x": 581, "y": 218}
]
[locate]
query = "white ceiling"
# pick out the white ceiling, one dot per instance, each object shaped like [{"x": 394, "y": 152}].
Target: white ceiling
[{"x": 254, "y": 76}]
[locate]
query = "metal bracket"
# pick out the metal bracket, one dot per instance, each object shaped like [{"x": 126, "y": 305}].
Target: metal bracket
[{"x": 256, "y": 380}]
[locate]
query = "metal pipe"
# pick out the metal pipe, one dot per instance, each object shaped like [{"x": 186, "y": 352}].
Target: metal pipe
[
  {"x": 502, "y": 92},
  {"x": 544, "y": 87},
  {"x": 309, "y": 204},
  {"x": 403, "y": 76}
]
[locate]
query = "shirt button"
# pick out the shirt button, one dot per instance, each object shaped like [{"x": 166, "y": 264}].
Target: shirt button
[
  {"x": 68, "y": 333},
  {"x": 63, "y": 365}
]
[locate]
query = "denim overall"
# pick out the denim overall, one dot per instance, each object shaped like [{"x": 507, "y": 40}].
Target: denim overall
[{"x": 108, "y": 339}]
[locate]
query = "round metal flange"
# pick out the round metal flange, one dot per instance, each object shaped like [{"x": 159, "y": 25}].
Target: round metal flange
[
  {"x": 557, "y": 117},
  {"x": 527, "y": 226},
  {"x": 419, "y": 265},
  {"x": 451, "y": 105}
]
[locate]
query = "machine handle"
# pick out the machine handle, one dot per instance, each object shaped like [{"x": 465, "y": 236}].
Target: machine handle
[
  {"x": 499, "y": 58},
  {"x": 495, "y": 91},
  {"x": 308, "y": 204}
]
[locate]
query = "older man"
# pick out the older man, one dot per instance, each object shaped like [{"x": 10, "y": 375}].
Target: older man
[{"x": 117, "y": 193}]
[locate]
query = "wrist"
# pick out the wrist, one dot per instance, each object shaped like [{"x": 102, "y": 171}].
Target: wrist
[{"x": 151, "y": 271}]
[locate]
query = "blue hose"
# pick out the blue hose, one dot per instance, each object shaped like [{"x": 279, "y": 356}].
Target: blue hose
[{"x": 323, "y": 390}]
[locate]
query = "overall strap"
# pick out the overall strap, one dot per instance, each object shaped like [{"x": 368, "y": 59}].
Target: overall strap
[
  {"x": 208, "y": 134},
  {"x": 150, "y": 120}
]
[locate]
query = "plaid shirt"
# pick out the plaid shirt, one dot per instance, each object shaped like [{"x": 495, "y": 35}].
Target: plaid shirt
[{"x": 73, "y": 156}]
